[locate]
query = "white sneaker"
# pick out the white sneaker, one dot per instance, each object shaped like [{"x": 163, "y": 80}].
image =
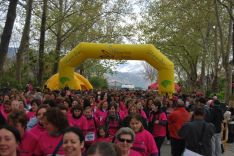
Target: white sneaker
[{"x": 168, "y": 142}]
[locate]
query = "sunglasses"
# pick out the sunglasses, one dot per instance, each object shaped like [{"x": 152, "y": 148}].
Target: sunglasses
[{"x": 125, "y": 140}]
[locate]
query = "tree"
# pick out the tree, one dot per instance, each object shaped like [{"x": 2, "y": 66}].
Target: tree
[
  {"x": 42, "y": 43},
  {"x": 97, "y": 21},
  {"x": 98, "y": 82},
  {"x": 150, "y": 73},
  {"x": 6, "y": 35},
  {"x": 24, "y": 43},
  {"x": 225, "y": 52},
  {"x": 184, "y": 32}
]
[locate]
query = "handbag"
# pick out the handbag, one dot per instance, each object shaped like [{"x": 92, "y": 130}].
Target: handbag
[{"x": 188, "y": 152}]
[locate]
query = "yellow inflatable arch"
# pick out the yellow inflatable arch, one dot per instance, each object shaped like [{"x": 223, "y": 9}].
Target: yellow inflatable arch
[{"x": 147, "y": 52}]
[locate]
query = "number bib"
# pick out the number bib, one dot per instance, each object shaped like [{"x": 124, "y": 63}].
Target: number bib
[{"x": 90, "y": 136}]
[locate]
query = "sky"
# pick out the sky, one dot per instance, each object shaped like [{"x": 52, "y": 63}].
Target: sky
[{"x": 130, "y": 66}]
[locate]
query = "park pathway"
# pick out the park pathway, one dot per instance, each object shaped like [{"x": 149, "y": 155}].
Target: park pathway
[{"x": 166, "y": 150}]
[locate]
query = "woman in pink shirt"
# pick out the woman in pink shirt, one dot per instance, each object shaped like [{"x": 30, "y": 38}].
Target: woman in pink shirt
[
  {"x": 140, "y": 108},
  {"x": 124, "y": 139},
  {"x": 112, "y": 121},
  {"x": 73, "y": 142},
  {"x": 144, "y": 142},
  {"x": 77, "y": 119},
  {"x": 158, "y": 122},
  {"x": 32, "y": 112},
  {"x": 18, "y": 119},
  {"x": 9, "y": 141},
  {"x": 101, "y": 112},
  {"x": 92, "y": 124},
  {"x": 39, "y": 128},
  {"x": 55, "y": 123},
  {"x": 6, "y": 109},
  {"x": 102, "y": 135}
]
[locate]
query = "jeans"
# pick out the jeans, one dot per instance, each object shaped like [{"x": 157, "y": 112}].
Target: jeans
[{"x": 216, "y": 144}]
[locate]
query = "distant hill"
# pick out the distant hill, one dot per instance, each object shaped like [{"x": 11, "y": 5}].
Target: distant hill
[{"x": 135, "y": 78}]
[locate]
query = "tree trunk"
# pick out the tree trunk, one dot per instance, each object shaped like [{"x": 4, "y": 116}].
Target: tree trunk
[
  {"x": 58, "y": 38},
  {"x": 205, "y": 51},
  {"x": 7, "y": 31},
  {"x": 227, "y": 66},
  {"x": 216, "y": 64},
  {"x": 24, "y": 43},
  {"x": 225, "y": 53},
  {"x": 193, "y": 79},
  {"x": 42, "y": 43},
  {"x": 228, "y": 77}
]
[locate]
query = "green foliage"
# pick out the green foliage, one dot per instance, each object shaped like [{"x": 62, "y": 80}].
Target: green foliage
[
  {"x": 95, "y": 67},
  {"x": 98, "y": 82},
  {"x": 8, "y": 79},
  {"x": 85, "y": 21},
  {"x": 184, "y": 30}
]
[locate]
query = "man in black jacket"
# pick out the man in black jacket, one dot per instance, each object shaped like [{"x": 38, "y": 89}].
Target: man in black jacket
[
  {"x": 216, "y": 117},
  {"x": 197, "y": 134}
]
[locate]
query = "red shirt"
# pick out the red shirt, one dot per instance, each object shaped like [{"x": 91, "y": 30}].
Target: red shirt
[{"x": 176, "y": 119}]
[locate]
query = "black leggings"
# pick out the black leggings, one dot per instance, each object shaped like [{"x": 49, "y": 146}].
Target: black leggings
[{"x": 159, "y": 140}]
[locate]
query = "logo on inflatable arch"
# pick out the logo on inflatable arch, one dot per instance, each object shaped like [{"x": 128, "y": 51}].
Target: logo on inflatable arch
[
  {"x": 64, "y": 79},
  {"x": 166, "y": 83}
]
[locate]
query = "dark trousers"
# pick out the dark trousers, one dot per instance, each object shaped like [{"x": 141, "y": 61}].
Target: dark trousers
[
  {"x": 177, "y": 146},
  {"x": 168, "y": 133},
  {"x": 159, "y": 140}
]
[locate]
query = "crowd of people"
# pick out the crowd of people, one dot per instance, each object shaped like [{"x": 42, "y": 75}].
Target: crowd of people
[{"x": 108, "y": 122}]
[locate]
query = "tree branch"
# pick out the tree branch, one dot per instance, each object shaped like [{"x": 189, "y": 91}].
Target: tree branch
[{"x": 229, "y": 10}]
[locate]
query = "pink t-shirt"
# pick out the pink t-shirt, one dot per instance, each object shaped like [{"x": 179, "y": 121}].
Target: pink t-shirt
[
  {"x": 123, "y": 107},
  {"x": 101, "y": 116},
  {"x": 113, "y": 125},
  {"x": 142, "y": 112},
  {"x": 144, "y": 144},
  {"x": 134, "y": 153},
  {"x": 31, "y": 115},
  {"x": 80, "y": 123},
  {"x": 91, "y": 131},
  {"x": 47, "y": 144},
  {"x": 28, "y": 144},
  {"x": 106, "y": 139},
  {"x": 37, "y": 131},
  {"x": 4, "y": 114},
  {"x": 122, "y": 114},
  {"x": 160, "y": 130}
]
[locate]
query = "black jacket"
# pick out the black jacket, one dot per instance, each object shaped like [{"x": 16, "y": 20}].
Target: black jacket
[
  {"x": 216, "y": 117},
  {"x": 197, "y": 135}
]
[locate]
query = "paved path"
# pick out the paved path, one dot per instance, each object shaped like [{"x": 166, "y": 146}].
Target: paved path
[{"x": 229, "y": 150}]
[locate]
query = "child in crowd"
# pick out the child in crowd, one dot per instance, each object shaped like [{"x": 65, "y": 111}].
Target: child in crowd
[{"x": 102, "y": 135}]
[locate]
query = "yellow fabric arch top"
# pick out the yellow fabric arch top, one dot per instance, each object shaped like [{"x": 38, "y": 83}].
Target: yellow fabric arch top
[{"x": 145, "y": 52}]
